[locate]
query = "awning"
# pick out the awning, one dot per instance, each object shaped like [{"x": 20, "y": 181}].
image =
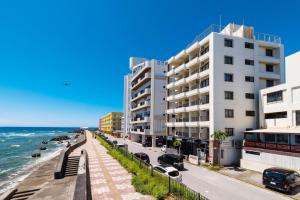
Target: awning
[{"x": 276, "y": 130}]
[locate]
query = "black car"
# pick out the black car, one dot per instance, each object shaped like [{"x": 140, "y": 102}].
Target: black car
[
  {"x": 281, "y": 179},
  {"x": 147, "y": 144},
  {"x": 142, "y": 156},
  {"x": 172, "y": 159}
]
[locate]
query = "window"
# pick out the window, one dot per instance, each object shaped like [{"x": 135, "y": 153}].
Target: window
[
  {"x": 253, "y": 152},
  {"x": 276, "y": 115},
  {"x": 228, "y": 42},
  {"x": 249, "y": 95},
  {"x": 270, "y": 138},
  {"x": 269, "y": 52},
  {"x": 250, "y": 113},
  {"x": 228, "y": 77},
  {"x": 222, "y": 153},
  {"x": 269, "y": 68},
  {"x": 274, "y": 97},
  {"x": 297, "y": 118},
  {"x": 282, "y": 138},
  {"x": 204, "y": 83},
  {"x": 228, "y": 60},
  {"x": 297, "y": 139},
  {"x": 228, "y": 95},
  {"x": 229, "y": 113},
  {"x": 249, "y": 78},
  {"x": 249, "y": 62},
  {"x": 229, "y": 131},
  {"x": 269, "y": 83},
  {"x": 249, "y": 45}
]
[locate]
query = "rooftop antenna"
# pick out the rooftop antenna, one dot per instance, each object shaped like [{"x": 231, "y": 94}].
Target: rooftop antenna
[
  {"x": 220, "y": 23},
  {"x": 243, "y": 21}
]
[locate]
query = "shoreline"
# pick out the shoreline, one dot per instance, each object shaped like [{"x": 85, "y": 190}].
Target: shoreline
[{"x": 25, "y": 173}]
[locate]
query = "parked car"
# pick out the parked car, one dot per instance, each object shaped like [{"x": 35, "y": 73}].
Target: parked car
[
  {"x": 172, "y": 159},
  {"x": 115, "y": 142},
  {"x": 119, "y": 145},
  {"x": 142, "y": 156},
  {"x": 281, "y": 179},
  {"x": 169, "y": 171},
  {"x": 164, "y": 148},
  {"x": 147, "y": 144}
]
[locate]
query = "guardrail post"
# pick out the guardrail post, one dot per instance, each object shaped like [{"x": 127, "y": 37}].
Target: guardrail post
[
  {"x": 198, "y": 196},
  {"x": 151, "y": 170}
]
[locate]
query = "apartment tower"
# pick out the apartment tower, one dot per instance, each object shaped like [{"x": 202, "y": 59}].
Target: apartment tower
[
  {"x": 146, "y": 92},
  {"x": 213, "y": 84}
]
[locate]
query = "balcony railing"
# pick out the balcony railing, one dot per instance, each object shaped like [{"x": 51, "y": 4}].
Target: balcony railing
[{"x": 273, "y": 146}]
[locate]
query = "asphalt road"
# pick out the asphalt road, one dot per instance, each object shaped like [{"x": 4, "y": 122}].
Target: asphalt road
[{"x": 211, "y": 184}]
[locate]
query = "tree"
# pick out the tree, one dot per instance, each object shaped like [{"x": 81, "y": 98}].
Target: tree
[
  {"x": 219, "y": 136},
  {"x": 177, "y": 145}
]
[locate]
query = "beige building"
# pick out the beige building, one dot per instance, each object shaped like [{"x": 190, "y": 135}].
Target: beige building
[{"x": 111, "y": 123}]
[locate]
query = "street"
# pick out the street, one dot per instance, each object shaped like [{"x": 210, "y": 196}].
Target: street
[{"x": 211, "y": 184}]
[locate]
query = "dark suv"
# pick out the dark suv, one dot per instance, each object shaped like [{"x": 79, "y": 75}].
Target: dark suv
[
  {"x": 142, "y": 156},
  {"x": 281, "y": 179},
  {"x": 172, "y": 159}
]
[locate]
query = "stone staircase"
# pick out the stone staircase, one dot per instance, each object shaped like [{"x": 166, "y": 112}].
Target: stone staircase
[
  {"x": 23, "y": 195},
  {"x": 72, "y": 166}
]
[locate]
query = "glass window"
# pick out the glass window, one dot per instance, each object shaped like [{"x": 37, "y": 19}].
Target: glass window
[
  {"x": 222, "y": 153},
  {"x": 174, "y": 173},
  {"x": 269, "y": 83},
  {"x": 228, "y": 77},
  {"x": 297, "y": 139},
  {"x": 229, "y": 113},
  {"x": 229, "y": 131},
  {"x": 276, "y": 115},
  {"x": 297, "y": 118},
  {"x": 270, "y": 138},
  {"x": 249, "y": 62},
  {"x": 249, "y": 96},
  {"x": 250, "y": 113},
  {"x": 228, "y": 42},
  {"x": 228, "y": 60},
  {"x": 249, "y": 45},
  {"x": 282, "y": 138},
  {"x": 228, "y": 95},
  {"x": 269, "y": 68},
  {"x": 269, "y": 52},
  {"x": 274, "y": 96},
  {"x": 249, "y": 78}
]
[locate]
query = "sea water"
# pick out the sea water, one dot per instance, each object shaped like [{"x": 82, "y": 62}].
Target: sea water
[{"x": 16, "y": 147}]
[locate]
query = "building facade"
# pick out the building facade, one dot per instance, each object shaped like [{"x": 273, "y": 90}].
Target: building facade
[
  {"x": 214, "y": 84},
  {"x": 126, "y": 105},
  {"x": 111, "y": 123},
  {"x": 145, "y": 93},
  {"x": 277, "y": 142}
]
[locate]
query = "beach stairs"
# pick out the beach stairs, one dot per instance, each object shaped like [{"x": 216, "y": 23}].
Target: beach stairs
[
  {"x": 71, "y": 168},
  {"x": 21, "y": 195}
]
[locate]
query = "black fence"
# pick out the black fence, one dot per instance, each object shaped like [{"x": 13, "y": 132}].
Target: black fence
[{"x": 175, "y": 188}]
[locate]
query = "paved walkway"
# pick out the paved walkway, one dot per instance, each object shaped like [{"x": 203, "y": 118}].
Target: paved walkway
[{"x": 109, "y": 180}]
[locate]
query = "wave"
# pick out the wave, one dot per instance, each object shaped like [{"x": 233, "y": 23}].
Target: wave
[
  {"x": 18, "y": 134},
  {"x": 2, "y": 140},
  {"x": 15, "y": 145}
]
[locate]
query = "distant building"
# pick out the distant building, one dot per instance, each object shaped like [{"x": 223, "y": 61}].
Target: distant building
[
  {"x": 144, "y": 100},
  {"x": 277, "y": 143},
  {"x": 111, "y": 123},
  {"x": 213, "y": 84}
]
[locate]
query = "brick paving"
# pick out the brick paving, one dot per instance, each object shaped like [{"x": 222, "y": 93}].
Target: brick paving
[{"x": 109, "y": 180}]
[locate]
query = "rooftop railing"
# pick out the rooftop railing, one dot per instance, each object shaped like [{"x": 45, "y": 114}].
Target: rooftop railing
[{"x": 218, "y": 28}]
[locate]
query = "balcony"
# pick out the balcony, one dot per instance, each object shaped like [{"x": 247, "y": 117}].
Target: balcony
[
  {"x": 272, "y": 147},
  {"x": 143, "y": 69},
  {"x": 170, "y": 85},
  {"x": 180, "y": 109},
  {"x": 269, "y": 75},
  {"x": 170, "y": 111},
  {"x": 268, "y": 59},
  {"x": 141, "y": 119},
  {"x": 141, "y": 105},
  {"x": 193, "y": 62},
  {"x": 180, "y": 68},
  {"x": 171, "y": 72},
  {"x": 180, "y": 95},
  {"x": 192, "y": 77},
  {"x": 141, "y": 94},
  {"x": 141, "y": 81},
  {"x": 140, "y": 131},
  {"x": 170, "y": 97},
  {"x": 180, "y": 82},
  {"x": 277, "y": 122}
]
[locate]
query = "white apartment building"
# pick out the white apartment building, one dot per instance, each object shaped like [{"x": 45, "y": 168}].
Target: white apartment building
[
  {"x": 147, "y": 100},
  {"x": 126, "y": 105},
  {"x": 214, "y": 84},
  {"x": 277, "y": 143}
]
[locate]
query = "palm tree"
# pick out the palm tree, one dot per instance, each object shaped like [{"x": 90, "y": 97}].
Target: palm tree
[
  {"x": 219, "y": 136},
  {"x": 177, "y": 145}
]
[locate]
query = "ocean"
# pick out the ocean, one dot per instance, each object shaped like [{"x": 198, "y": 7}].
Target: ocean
[{"x": 16, "y": 146}]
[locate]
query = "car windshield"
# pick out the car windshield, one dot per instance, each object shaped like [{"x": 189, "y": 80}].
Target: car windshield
[
  {"x": 275, "y": 175},
  {"x": 173, "y": 173}
]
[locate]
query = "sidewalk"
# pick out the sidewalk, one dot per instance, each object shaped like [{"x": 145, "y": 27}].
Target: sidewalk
[{"x": 109, "y": 180}]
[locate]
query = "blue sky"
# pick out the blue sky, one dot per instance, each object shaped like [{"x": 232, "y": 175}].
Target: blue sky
[{"x": 44, "y": 44}]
